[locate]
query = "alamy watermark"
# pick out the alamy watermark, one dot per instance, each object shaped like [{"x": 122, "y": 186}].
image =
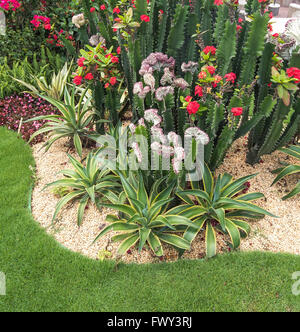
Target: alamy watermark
[
  {"x": 296, "y": 285},
  {"x": 2, "y": 284},
  {"x": 155, "y": 152}
]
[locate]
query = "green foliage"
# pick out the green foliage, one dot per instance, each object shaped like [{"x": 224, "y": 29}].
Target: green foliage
[
  {"x": 7, "y": 85},
  {"x": 293, "y": 151},
  {"x": 145, "y": 218},
  {"x": 27, "y": 71},
  {"x": 84, "y": 184},
  {"x": 17, "y": 45},
  {"x": 219, "y": 205},
  {"x": 73, "y": 121},
  {"x": 55, "y": 89}
]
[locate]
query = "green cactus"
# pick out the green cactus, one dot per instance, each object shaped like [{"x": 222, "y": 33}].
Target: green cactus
[
  {"x": 177, "y": 32},
  {"x": 222, "y": 14},
  {"x": 254, "y": 47},
  {"x": 278, "y": 127},
  {"x": 274, "y": 133},
  {"x": 207, "y": 22},
  {"x": 227, "y": 48}
]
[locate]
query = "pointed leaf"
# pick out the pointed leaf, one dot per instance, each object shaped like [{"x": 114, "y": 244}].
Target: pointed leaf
[
  {"x": 175, "y": 241},
  {"x": 155, "y": 244},
  {"x": 234, "y": 233},
  {"x": 144, "y": 235},
  {"x": 211, "y": 242},
  {"x": 127, "y": 244}
]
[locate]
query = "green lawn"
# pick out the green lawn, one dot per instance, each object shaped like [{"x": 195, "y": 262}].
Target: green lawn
[{"x": 42, "y": 276}]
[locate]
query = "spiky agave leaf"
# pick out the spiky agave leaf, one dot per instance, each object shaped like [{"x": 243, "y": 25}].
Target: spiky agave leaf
[
  {"x": 146, "y": 218},
  {"x": 220, "y": 206}
]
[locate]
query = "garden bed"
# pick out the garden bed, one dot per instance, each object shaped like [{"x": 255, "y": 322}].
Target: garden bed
[{"x": 268, "y": 234}]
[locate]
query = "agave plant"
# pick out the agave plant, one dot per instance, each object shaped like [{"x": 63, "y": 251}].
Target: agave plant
[
  {"x": 72, "y": 122},
  {"x": 85, "y": 183},
  {"x": 293, "y": 151},
  {"x": 145, "y": 218},
  {"x": 220, "y": 205},
  {"x": 55, "y": 89}
]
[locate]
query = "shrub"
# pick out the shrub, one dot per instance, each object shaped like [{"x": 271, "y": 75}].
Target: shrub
[
  {"x": 15, "y": 110},
  {"x": 145, "y": 218},
  {"x": 54, "y": 88},
  {"x": 84, "y": 183},
  {"x": 73, "y": 121},
  {"x": 99, "y": 68},
  {"x": 219, "y": 204}
]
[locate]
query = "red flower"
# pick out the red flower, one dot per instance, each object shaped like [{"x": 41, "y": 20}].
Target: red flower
[
  {"x": 231, "y": 77},
  {"x": 116, "y": 10},
  {"x": 294, "y": 72},
  {"x": 77, "y": 80},
  {"x": 199, "y": 91},
  {"x": 106, "y": 85},
  {"x": 270, "y": 27},
  {"x": 276, "y": 35},
  {"x": 80, "y": 62},
  {"x": 237, "y": 111},
  {"x": 103, "y": 7},
  {"x": 92, "y": 9},
  {"x": 113, "y": 81},
  {"x": 219, "y": 2},
  {"x": 188, "y": 99},
  {"x": 115, "y": 59},
  {"x": 210, "y": 49},
  {"x": 193, "y": 107},
  {"x": 145, "y": 18},
  {"x": 211, "y": 69},
  {"x": 238, "y": 28},
  {"x": 119, "y": 50},
  {"x": 35, "y": 23},
  {"x": 202, "y": 75},
  {"x": 47, "y": 26},
  {"x": 89, "y": 76}
]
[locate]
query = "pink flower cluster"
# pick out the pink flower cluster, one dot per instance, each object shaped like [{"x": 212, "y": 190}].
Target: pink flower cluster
[
  {"x": 9, "y": 5},
  {"x": 159, "y": 62},
  {"x": 38, "y": 20},
  {"x": 15, "y": 108}
]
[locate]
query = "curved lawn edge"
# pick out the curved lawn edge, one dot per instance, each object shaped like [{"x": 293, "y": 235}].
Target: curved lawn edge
[{"x": 43, "y": 276}]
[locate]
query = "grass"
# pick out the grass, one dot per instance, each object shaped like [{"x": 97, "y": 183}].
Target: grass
[{"x": 43, "y": 276}]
